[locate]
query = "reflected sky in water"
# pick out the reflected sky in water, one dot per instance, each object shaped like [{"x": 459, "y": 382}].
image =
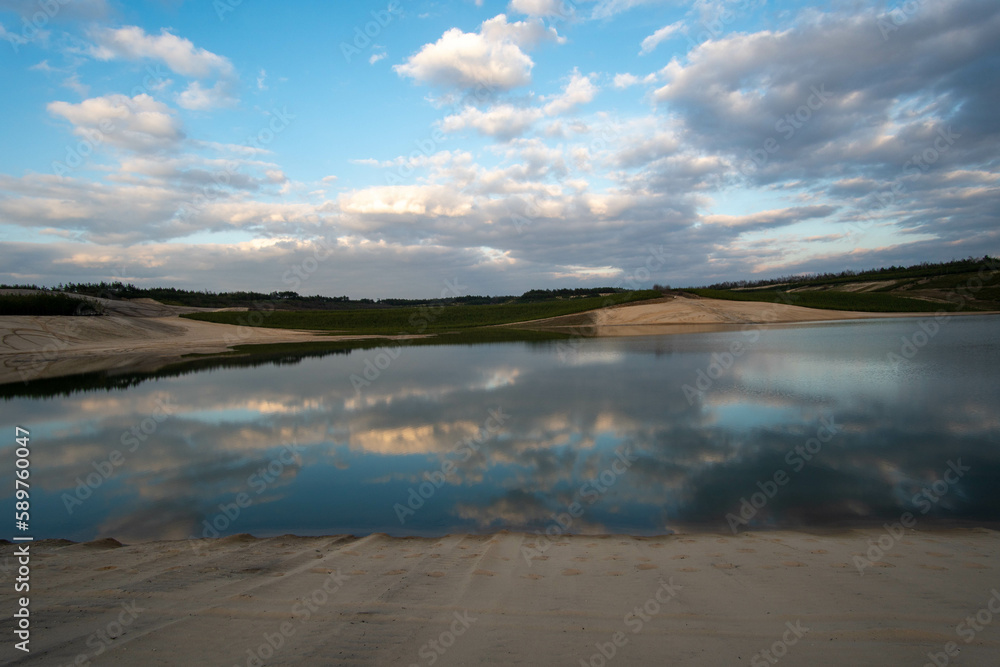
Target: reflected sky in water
[{"x": 601, "y": 433}]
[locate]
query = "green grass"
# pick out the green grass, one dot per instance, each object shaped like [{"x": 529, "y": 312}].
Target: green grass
[
  {"x": 868, "y": 302},
  {"x": 413, "y": 320},
  {"x": 46, "y": 304}
]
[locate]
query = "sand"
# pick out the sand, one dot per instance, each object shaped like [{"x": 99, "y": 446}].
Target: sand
[
  {"x": 142, "y": 335},
  {"x": 684, "y": 314},
  {"x": 685, "y": 599}
]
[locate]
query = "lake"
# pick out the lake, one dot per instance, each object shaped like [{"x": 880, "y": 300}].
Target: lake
[{"x": 757, "y": 427}]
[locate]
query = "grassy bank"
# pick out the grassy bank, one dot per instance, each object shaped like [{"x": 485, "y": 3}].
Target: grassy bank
[
  {"x": 425, "y": 319},
  {"x": 867, "y": 302}
]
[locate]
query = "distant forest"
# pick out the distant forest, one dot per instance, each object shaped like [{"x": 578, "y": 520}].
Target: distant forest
[
  {"x": 924, "y": 269},
  {"x": 294, "y": 301}
]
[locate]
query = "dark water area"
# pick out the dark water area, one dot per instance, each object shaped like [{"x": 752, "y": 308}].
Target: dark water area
[{"x": 802, "y": 426}]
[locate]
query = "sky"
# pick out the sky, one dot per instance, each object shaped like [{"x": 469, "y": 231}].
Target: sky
[{"x": 413, "y": 148}]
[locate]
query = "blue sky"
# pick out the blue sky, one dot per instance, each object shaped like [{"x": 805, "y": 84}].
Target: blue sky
[{"x": 503, "y": 145}]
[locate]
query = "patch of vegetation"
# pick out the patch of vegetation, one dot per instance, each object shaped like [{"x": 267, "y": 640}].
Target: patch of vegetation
[
  {"x": 288, "y": 300},
  {"x": 922, "y": 270},
  {"x": 868, "y": 302},
  {"x": 47, "y": 304},
  {"x": 425, "y": 319}
]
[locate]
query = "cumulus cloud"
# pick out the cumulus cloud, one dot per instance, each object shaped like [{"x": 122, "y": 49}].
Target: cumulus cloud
[
  {"x": 196, "y": 97},
  {"x": 137, "y": 123},
  {"x": 831, "y": 93},
  {"x": 494, "y": 57},
  {"x": 180, "y": 55},
  {"x": 580, "y": 90},
  {"x": 507, "y": 121},
  {"x": 540, "y": 8},
  {"x": 407, "y": 199},
  {"x": 664, "y": 33},
  {"x": 503, "y": 121}
]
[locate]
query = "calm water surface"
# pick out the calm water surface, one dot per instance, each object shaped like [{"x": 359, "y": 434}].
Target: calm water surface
[{"x": 826, "y": 424}]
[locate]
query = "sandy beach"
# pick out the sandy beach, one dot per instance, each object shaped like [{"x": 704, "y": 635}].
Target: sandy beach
[
  {"x": 685, "y": 599},
  {"x": 145, "y": 335}
]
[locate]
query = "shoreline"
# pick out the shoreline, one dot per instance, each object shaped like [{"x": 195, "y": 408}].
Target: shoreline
[
  {"x": 702, "y": 599},
  {"x": 45, "y": 347}
]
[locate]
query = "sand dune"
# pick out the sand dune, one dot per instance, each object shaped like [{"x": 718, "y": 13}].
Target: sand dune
[
  {"x": 693, "y": 315},
  {"x": 700, "y": 599},
  {"x": 144, "y": 335}
]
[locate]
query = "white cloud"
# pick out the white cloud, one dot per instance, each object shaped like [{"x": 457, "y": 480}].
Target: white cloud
[
  {"x": 664, "y": 33},
  {"x": 578, "y": 91},
  {"x": 539, "y": 8},
  {"x": 433, "y": 200},
  {"x": 137, "y": 123},
  {"x": 179, "y": 54},
  {"x": 506, "y": 121},
  {"x": 198, "y": 98},
  {"x": 493, "y": 57},
  {"x": 606, "y": 9},
  {"x": 503, "y": 121},
  {"x": 625, "y": 80},
  {"x": 262, "y": 79}
]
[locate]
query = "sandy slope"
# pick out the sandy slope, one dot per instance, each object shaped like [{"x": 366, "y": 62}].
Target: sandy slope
[
  {"x": 39, "y": 347},
  {"x": 693, "y": 315},
  {"x": 481, "y": 601},
  {"x": 143, "y": 334}
]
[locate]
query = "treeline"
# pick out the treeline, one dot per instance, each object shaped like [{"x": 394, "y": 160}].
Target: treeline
[
  {"x": 288, "y": 300},
  {"x": 46, "y": 304},
  {"x": 920, "y": 270}
]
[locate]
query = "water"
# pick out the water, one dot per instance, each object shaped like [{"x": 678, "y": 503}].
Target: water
[{"x": 811, "y": 425}]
